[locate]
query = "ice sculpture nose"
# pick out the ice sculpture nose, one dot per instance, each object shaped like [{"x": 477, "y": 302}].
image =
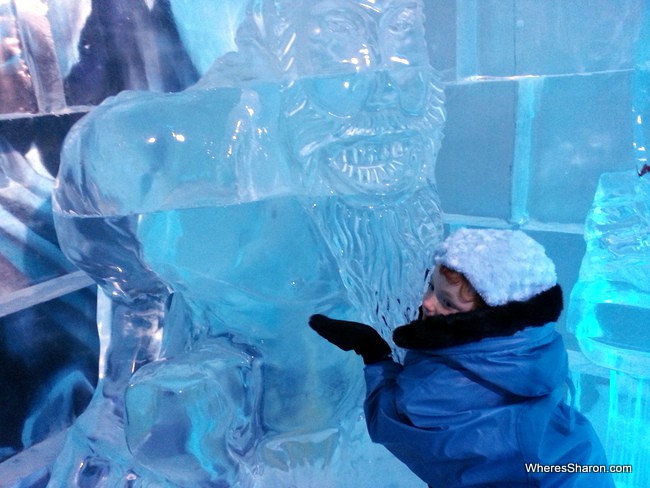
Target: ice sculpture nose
[{"x": 383, "y": 91}]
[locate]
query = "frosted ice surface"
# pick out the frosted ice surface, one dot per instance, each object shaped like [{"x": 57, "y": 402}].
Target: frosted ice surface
[{"x": 295, "y": 178}]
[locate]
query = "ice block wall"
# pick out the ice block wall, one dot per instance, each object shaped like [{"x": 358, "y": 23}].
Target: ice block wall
[{"x": 538, "y": 97}]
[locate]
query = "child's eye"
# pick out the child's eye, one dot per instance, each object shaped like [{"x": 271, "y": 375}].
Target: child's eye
[{"x": 431, "y": 287}]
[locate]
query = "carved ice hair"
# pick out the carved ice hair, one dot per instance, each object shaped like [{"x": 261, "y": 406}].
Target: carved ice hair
[{"x": 269, "y": 40}]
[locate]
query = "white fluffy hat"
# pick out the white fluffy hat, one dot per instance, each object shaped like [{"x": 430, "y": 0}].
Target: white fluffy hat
[{"x": 502, "y": 265}]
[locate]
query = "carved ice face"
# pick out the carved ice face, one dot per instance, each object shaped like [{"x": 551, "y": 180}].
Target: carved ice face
[{"x": 364, "y": 115}]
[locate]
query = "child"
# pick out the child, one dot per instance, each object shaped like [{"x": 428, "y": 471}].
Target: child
[{"x": 478, "y": 401}]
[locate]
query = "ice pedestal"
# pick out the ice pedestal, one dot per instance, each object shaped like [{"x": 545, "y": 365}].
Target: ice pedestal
[{"x": 610, "y": 314}]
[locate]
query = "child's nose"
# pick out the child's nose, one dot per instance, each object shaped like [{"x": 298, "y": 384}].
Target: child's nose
[{"x": 429, "y": 305}]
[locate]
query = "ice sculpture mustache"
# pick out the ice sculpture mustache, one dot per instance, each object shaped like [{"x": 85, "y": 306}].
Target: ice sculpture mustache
[{"x": 295, "y": 178}]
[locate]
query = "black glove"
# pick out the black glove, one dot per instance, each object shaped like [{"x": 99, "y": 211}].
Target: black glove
[{"x": 361, "y": 338}]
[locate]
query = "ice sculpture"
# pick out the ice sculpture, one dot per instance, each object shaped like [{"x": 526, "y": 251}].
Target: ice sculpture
[
  {"x": 610, "y": 310},
  {"x": 295, "y": 178},
  {"x": 610, "y": 304},
  {"x": 612, "y": 296}
]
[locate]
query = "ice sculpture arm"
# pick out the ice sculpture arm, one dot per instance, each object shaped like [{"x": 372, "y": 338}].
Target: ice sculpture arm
[
  {"x": 131, "y": 323},
  {"x": 141, "y": 153},
  {"x": 160, "y": 156},
  {"x": 352, "y": 336}
]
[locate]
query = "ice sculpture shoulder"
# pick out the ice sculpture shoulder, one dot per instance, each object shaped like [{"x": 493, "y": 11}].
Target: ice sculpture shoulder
[{"x": 295, "y": 178}]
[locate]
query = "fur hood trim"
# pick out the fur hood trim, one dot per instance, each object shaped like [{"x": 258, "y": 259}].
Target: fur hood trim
[{"x": 443, "y": 331}]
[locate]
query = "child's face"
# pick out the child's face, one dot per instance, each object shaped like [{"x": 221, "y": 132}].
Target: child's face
[{"x": 444, "y": 298}]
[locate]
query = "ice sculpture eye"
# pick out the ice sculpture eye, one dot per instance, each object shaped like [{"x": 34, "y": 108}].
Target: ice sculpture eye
[
  {"x": 400, "y": 38},
  {"x": 403, "y": 23},
  {"x": 341, "y": 96},
  {"x": 337, "y": 43},
  {"x": 337, "y": 25}
]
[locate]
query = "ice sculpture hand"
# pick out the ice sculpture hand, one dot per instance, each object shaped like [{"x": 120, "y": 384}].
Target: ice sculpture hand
[{"x": 352, "y": 336}]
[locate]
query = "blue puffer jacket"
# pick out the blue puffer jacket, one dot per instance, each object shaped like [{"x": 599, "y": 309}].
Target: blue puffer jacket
[{"x": 476, "y": 414}]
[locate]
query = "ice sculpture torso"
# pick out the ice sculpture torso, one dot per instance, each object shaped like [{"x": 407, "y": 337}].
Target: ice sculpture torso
[{"x": 218, "y": 219}]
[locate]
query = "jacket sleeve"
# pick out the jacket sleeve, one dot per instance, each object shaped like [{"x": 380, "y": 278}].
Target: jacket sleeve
[
  {"x": 438, "y": 421},
  {"x": 382, "y": 417},
  {"x": 381, "y": 375},
  {"x": 389, "y": 425}
]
